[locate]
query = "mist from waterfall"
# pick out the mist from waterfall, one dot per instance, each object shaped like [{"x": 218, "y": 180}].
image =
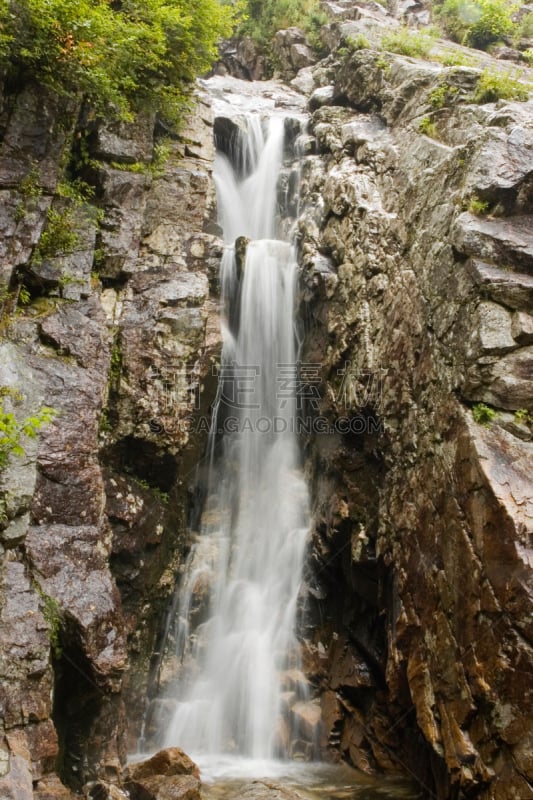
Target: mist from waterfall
[{"x": 236, "y": 607}]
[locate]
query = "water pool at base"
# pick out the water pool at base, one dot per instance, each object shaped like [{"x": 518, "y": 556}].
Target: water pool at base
[{"x": 233, "y": 778}]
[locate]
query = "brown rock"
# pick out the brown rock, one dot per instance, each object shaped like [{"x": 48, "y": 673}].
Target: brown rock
[
  {"x": 51, "y": 788},
  {"x": 99, "y": 790},
  {"x": 17, "y": 784},
  {"x": 306, "y": 717},
  {"x": 169, "y": 787},
  {"x": 168, "y": 762},
  {"x": 265, "y": 790},
  {"x": 441, "y": 301},
  {"x": 331, "y": 713},
  {"x": 522, "y": 327},
  {"x": 349, "y": 668},
  {"x": 169, "y": 775},
  {"x": 353, "y": 744}
]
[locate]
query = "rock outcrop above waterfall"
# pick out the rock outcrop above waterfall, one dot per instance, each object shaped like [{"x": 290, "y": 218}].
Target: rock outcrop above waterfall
[
  {"x": 418, "y": 305},
  {"x": 117, "y": 335}
]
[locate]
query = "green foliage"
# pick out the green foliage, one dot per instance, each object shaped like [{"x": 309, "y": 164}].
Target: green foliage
[
  {"x": 24, "y": 297},
  {"x": 407, "y": 43},
  {"x": 121, "y": 55},
  {"x": 313, "y": 24},
  {"x": 484, "y": 414},
  {"x": 105, "y": 422},
  {"x": 523, "y": 417},
  {"x": 383, "y": 64},
  {"x": 162, "y": 152},
  {"x": 359, "y": 42},
  {"x": 12, "y": 432},
  {"x": 527, "y": 55},
  {"x": 53, "y": 615},
  {"x": 116, "y": 357},
  {"x": 454, "y": 58},
  {"x": 493, "y": 86},
  {"x": 477, "y": 206},
  {"x": 30, "y": 189},
  {"x": 115, "y": 365},
  {"x": 67, "y": 279},
  {"x": 526, "y": 26},
  {"x": 155, "y": 167},
  {"x": 156, "y": 491},
  {"x": 98, "y": 260},
  {"x": 428, "y": 128},
  {"x": 20, "y": 212},
  {"x": 30, "y": 186},
  {"x": 59, "y": 237},
  {"x": 441, "y": 95},
  {"x": 477, "y": 23},
  {"x": 77, "y": 190},
  {"x": 137, "y": 167},
  {"x": 263, "y": 18}
]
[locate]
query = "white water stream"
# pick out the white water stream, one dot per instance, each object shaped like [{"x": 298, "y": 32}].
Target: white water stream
[{"x": 251, "y": 546}]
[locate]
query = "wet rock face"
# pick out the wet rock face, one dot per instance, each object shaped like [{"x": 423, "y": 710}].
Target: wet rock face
[
  {"x": 168, "y": 775},
  {"x": 292, "y": 52},
  {"x": 419, "y": 311},
  {"x": 242, "y": 59},
  {"x": 118, "y": 337},
  {"x": 265, "y": 790}
]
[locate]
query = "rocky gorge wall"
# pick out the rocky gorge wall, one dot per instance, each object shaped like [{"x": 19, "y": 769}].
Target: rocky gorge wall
[
  {"x": 418, "y": 310},
  {"x": 417, "y": 594},
  {"x": 117, "y": 332}
]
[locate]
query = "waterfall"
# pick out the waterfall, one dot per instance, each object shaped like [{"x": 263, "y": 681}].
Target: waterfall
[{"x": 236, "y": 607}]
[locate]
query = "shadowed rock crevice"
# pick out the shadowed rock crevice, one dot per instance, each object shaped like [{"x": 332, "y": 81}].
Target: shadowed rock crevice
[{"x": 143, "y": 461}]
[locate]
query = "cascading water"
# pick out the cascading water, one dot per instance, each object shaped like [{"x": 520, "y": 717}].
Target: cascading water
[{"x": 236, "y": 648}]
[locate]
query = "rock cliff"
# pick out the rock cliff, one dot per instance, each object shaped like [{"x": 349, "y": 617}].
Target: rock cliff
[
  {"x": 115, "y": 328},
  {"x": 416, "y": 296},
  {"x": 417, "y": 306}
]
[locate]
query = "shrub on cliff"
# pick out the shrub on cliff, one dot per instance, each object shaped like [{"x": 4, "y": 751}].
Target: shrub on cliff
[
  {"x": 121, "y": 54},
  {"x": 263, "y": 18},
  {"x": 12, "y": 432},
  {"x": 477, "y": 23}
]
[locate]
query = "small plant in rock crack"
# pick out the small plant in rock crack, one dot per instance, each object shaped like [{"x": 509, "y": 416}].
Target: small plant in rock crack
[
  {"x": 441, "y": 95},
  {"x": 359, "y": 42},
  {"x": 523, "y": 417},
  {"x": 477, "y": 206},
  {"x": 24, "y": 297},
  {"x": 30, "y": 189},
  {"x": 484, "y": 415},
  {"x": 53, "y": 615},
  {"x": 428, "y": 128},
  {"x": 59, "y": 238},
  {"x": 407, "y": 43},
  {"x": 12, "y": 432},
  {"x": 494, "y": 85}
]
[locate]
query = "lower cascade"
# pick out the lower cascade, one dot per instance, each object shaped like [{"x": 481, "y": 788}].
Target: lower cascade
[{"x": 236, "y": 608}]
